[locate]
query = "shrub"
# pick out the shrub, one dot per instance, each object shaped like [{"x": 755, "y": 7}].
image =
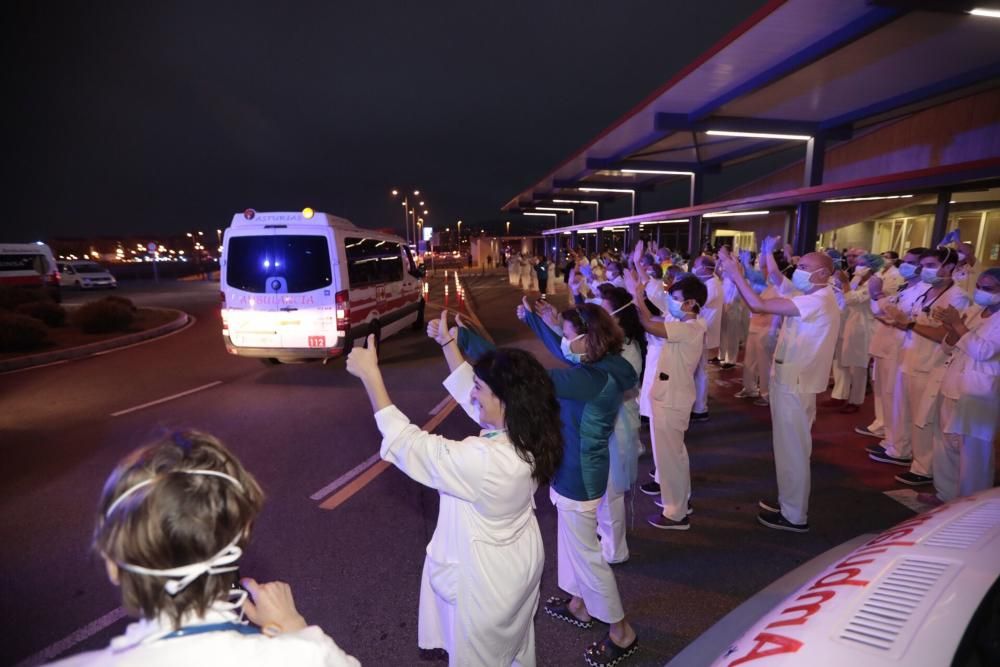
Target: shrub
[
  {"x": 105, "y": 315},
  {"x": 51, "y": 313},
  {"x": 123, "y": 301},
  {"x": 12, "y": 297},
  {"x": 20, "y": 332}
]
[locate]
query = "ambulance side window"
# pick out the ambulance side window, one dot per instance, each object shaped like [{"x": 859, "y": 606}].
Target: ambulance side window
[
  {"x": 371, "y": 261},
  {"x": 390, "y": 262}
]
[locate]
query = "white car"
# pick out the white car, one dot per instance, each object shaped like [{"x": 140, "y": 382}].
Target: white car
[
  {"x": 923, "y": 593},
  {"x": 84, "y": 274}
]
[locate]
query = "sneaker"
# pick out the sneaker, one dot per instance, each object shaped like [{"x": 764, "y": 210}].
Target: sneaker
[
  {"x": 913, "y": 479},
  {"x": 875, "y": 449},
  {"x": 650, "y": 488},
  {"x": 746, "y": 393},
  {"x": 864, "y": 430},
  {"x": 663, "y": 523},
  {"x": 885, "y": 457},
  {"x": 659, "y": 503},
  {"x": 762, "y": 402},
  {"x": 772, "y": 506},
  {"x": 777, "y": 521},
  {"x": 699, "y": 416}
]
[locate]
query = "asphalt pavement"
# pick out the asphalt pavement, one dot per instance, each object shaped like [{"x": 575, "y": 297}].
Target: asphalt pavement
[{"x": 355, "y": 569}]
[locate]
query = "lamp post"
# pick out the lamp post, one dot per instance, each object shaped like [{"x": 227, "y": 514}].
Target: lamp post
[{"x": 408, "y": 211}]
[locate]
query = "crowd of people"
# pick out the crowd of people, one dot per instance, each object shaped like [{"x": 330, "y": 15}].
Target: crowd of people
[{"x": 633, "y": 347}]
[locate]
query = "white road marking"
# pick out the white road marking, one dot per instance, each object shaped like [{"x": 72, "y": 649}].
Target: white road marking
[
  {"x": 165, "y": 399},
  {"x": 345, "y": 478},
  {"x": 58, "y": 648},
  {"x": 31, "y": 368}
]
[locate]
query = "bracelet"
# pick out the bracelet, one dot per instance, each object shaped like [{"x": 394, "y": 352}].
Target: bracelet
[{"x": 448, "y": 342}]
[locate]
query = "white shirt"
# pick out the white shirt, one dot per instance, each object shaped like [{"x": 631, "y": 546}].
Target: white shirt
[
  {"x": 972, "y": 378},
  {"x": 711, "y": 312},
  {"x": 139, "y": 647},
  {"x": 919, "y": 354},
  {"x": 672, "y": 384},
  {"x": 804, "y": 353}
]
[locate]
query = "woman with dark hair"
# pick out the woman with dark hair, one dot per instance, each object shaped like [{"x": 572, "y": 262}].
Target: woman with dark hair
[
  {"x": 173, "y": 520},
  {"x": 623, "y": 445},
  {"x": 479, "y": 589},
  {"x": 590, "y": 394}
]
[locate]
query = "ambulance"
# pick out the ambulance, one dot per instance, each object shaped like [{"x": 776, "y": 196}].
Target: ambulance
[
  {"x": 302, "y": 286},
  {"x": 29, "y": 265}
]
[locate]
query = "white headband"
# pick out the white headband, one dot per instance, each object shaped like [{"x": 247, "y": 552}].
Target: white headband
[{"x": 178, "y": 578}]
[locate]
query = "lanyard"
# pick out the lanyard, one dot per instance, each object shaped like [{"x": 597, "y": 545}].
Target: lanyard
[{"x": 226, "y": 626}]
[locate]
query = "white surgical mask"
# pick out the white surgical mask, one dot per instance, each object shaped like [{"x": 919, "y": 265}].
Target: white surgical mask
[
  {"x": 985, "y": 299},
  {"x": 802, "y": 280},
  {"x": 930, "y": 276},
  {"x": 574, "y": 357},
  {"x": 907, "y": 270}
]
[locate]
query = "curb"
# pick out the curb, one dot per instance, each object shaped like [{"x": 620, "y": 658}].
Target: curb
[{"x": 19, "y": 363}]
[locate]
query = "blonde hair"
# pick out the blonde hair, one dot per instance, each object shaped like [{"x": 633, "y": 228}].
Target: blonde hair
[{"x": 174, "y": 520}]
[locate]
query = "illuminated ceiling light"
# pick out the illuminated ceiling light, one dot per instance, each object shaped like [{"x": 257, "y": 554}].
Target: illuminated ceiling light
[
  {"x": 981, "y": 11},
  {"x": 729, "y": 214},
  {"x": 760, "y": 135},
  {"x": 530, "y": 213},
  {"x": 837, "y": 201},
  {"x": 567, "y": 233},
  {"x": 605, "y": 190},
  {"x": 657, "y": 171},
  {"x": 657, "y": 222},
  {"x": 586, "y": 231},
  {"x": 551, "y": 208},
  {"x": 614, "y": 229},
  {"x": 575, "y": 201}
]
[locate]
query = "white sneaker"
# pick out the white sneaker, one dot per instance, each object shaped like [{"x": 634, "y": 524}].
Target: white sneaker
[{"x": 746, "y": 393}]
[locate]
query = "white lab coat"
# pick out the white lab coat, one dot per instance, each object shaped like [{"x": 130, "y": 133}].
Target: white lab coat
[
  {"x": 139, "y": 647},
  {"x": 513, "y": 270},
  {"x": 711, "y": 312},
  {"x": 479, "y": 588},
  {"x": 858, "y": 323}
]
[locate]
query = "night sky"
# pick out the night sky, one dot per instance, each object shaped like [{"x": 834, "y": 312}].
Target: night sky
[{"x": 142, "y": 117}]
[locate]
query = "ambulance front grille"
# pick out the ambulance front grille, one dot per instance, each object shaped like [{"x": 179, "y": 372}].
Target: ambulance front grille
[
  {"x": 968, "y": 529},
  {"x": 882, "y": 618}
]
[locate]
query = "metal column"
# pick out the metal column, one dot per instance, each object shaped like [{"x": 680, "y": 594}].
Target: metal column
[
  {"x": 941, "y": 217},
  {"x": 807, "y": 214},
  {"x": 694, "y": 222}
]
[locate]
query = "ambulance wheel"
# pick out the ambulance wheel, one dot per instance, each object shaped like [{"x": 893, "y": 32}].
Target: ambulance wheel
[
  {"x": 418, "y": 324},
  {"x": 270, "y": 361}
]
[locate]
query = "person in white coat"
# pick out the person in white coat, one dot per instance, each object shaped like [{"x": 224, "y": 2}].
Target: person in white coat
[
  {"x": 174, "y": 518},
  {"x": 704, "y": 269},
  {"x": 673, "y": 394},
  {"x": 513, "y": 270},
  {"x": 894, "y": 446},
  {"x": 479, "y": 588},
  {"x": 970, "y": 390},
  {"x": 923, "y": 358},
  {"x": 802, "y": 362},
  {"x": 850, "y": 371}
]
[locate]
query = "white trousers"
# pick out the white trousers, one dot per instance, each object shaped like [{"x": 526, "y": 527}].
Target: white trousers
[
  {"x": 963, "y": 465},
  {"x": 792, "y": 416},
  {"x": 881, "y": 381},
  {"x": 921, "y": 437},
  {"x": 701, "y": 384},
  {"x": 899, "y": 427},
  {"x": 582, "y": 570},
  {"x": 611, "y": 526},
  {"x": 757, "y": 359},
  {"x": 673, "y": 470},
  {"x": 733, "y": 332},
  {"x": 849, "y": 383}
]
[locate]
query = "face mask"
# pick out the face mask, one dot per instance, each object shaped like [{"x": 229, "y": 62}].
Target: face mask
[
  {"x": 962, "y": 258},
  {"x": 908, "y": 271},
  {"x": 930, "y": 276},
  {"x": 674, "y": 306},
  {"x": 573, "y": 357},
  {"x": 802, "y": 280},
  {"x": 985, "y": 299}
]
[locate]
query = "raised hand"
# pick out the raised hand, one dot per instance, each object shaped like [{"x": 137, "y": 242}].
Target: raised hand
[
  {"x": 363, "y": 361},
  {"x": 638, "y": 252},
  {"x": 523, "y": 309}
]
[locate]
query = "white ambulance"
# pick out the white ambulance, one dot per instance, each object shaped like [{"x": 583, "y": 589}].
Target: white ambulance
[
  {"x": 29, "y": 265},
  {"x": 306, "y": 285}
]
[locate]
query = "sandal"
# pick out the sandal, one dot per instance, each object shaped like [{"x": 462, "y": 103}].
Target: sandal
[
  {"x": 606, "y": 653},
  {"x": 559, "y": 608}
]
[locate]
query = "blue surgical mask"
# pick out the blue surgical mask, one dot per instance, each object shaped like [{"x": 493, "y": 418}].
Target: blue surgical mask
[
  {"x": 930, "y": 276},
  {"x": 985, "y": 299},
  {"x": 802, "y": 280},
  {"x": 674, "y": 306},
  {"x": 573, "y": 357},
  {"x": 908, "y": 271}
]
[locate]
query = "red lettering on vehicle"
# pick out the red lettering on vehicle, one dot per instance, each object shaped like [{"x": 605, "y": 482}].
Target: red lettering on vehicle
[
  {"x": 780, "y": 645},
  {"x": 846, "y": 579},
  {"x": 806, "y": 609}
]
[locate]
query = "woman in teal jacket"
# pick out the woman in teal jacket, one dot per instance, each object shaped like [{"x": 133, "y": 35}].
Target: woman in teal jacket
[{"x": 589, "y": 387}]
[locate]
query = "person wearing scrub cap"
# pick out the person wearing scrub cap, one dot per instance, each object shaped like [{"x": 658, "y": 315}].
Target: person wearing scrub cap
[{"x": 173, "y": 520}]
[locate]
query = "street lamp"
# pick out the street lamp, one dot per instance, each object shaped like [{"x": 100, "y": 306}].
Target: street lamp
[
  {"x": 508, "y": 228},
  {"x": 409, "y": 211}
]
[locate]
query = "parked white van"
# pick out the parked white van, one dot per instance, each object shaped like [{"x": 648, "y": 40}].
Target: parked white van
[
  {"x": 305, "y": 285},
  {"x": 29, "y": 265}
]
